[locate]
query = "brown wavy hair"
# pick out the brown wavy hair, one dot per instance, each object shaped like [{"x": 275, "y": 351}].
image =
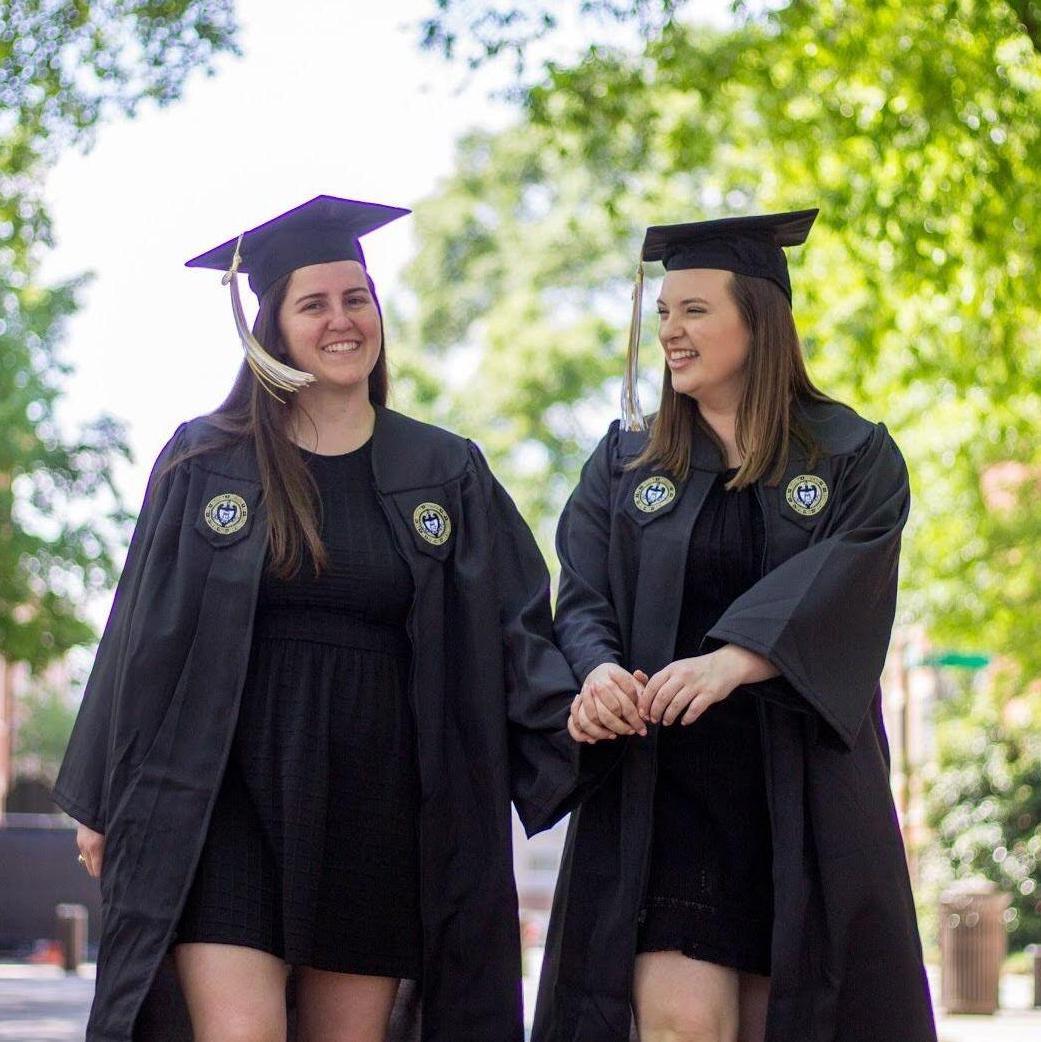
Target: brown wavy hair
[
  {"x": 251, "y": 414},
  {"x": 768, "y": 415}
]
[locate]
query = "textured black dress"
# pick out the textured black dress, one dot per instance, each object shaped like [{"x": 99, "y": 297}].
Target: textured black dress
[
  {"x": 709, "y": 891},
  {"x": 312, "y": 850}
]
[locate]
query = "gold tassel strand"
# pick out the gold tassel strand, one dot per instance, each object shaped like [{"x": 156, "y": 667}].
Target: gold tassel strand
[
  {"x": 272, "y": 374},
  {"x": 632, "y": 414}
]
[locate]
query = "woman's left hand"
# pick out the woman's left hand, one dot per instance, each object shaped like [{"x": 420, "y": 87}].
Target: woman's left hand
[{"x": 689, "y": 686}]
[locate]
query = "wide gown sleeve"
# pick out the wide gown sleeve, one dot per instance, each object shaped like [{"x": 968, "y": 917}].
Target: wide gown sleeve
[
  {"x": 824, "y": 616},
  {"x": 82, "y": 780},
  {"x": 586, "y": 623},
  {"x": 539, "y": 683}
]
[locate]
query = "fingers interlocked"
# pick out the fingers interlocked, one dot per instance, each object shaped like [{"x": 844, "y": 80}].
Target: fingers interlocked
[{"x": 606, "y": 706}]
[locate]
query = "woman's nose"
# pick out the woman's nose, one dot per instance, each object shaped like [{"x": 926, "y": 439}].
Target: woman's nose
[{"x": 340, "y": 318}]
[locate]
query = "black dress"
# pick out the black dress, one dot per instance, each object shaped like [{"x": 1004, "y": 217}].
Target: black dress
[
  {"x": 709, "y": 892},
  {"x": 312, "y": 850}
]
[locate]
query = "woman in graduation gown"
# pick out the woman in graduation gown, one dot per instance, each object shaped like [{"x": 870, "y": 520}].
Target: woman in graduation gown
[
  {"x": 329, "y": 664},
  {"x": 727, "y": 593}
]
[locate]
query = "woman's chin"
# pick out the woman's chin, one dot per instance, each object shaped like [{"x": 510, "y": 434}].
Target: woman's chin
[
  {"x": 687, "y": 384},
  {"x": 343, "y": 381}
]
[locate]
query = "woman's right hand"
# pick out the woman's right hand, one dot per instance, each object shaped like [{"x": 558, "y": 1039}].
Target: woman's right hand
[
  {"x": 92, "y": 849},
  {"x": 606, "y": 707}
]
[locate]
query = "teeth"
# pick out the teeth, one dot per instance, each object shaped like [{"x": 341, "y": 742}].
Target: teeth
[
  {"x": 344, "y": 345},
  {"x": 677, "y": 355}
]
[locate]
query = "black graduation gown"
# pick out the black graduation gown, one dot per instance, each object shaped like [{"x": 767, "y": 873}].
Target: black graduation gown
[
  {"x": 846, "y": 955},
  {"x": 490, "y": 693}
]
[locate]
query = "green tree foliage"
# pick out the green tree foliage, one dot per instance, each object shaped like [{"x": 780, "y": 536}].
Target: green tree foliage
[
  {"x": 514, "y": 331},
  {"x": 917, "y": 130},
  {"x": 64, "y": 67},
  {"x": 45, "y": 720},
  {"x": 476, "y": 33},
  {"x": 984, "y": 796}
]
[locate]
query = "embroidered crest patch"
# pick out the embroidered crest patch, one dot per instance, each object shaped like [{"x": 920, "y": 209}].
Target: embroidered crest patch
[
  {"x": 654, "y": 493},
  {"x": 807, "y": 494},
  {"x": 226, "y": 513},
  {"x": 432, "y": 523}
]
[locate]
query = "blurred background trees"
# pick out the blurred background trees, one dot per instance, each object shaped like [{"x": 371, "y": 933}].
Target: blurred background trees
[
  {"x": 984, "y": 795},
  {"x": 65, "y": 67},
  {"x": 917, "y": 130}
]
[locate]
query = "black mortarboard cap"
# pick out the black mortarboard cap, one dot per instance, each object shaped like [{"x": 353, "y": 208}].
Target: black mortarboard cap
[
  {"x": 323, "y": 229},
  {"x": 748, "y": 245}
]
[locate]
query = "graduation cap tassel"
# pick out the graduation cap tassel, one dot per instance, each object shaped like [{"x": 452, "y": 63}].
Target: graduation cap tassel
[
  {"x": 632, "y": 414},
  {"x": 271, "y": 373}
]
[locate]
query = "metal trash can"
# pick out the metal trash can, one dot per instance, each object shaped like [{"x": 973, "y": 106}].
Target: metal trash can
[
  {"x": 1035, "y": 951},
  {"x": 973, "y": 945},
  {"x": 72, "y": 934}
]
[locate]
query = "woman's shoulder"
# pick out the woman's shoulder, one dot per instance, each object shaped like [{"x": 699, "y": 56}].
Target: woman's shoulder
[
  {"x": 409, "y": 453},
  {"x": 837, "y": 429},
  {"x": 399, "y": 425},
  {"x": 206, "y": 442},
  {"x": 199, "y": 433}
]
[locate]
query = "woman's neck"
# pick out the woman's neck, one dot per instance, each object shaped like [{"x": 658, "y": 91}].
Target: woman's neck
[
  {"x": 724, "y": 424},
  {"x": 331, "y": 422}
]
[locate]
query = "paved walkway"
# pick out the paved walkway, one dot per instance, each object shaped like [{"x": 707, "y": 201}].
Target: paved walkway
[{"x": 42, "y": 1004}]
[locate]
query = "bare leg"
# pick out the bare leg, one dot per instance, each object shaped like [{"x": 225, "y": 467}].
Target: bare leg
[
  {"x": 684, "y": 1000},
  {"x": 234, "y": 994},
  {"x": 753, "y": 995},
  {"x": 343, "y": 1007}
]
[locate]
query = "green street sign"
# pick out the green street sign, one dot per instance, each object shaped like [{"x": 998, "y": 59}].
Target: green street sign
[{"x": 957, "y": 659}]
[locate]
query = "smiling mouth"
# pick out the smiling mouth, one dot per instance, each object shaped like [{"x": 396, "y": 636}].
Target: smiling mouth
[
  {"x": 341, "y": 347},
  {"x": 682, "y": 356}
]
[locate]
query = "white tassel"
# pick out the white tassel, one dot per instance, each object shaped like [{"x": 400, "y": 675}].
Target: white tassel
[
  {"x": 632, "y": 414},
  {"x": 272, "y": 374}
]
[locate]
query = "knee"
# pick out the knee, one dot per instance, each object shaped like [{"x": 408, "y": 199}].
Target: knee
[
  {"x": 687, "y": 1023},
  {"x": 240, "y": 1027}
]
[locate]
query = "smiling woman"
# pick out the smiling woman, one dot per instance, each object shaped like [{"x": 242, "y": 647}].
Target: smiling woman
[
  {"x": 727, "y": 591},
  {"x": 278, "y": 730}
]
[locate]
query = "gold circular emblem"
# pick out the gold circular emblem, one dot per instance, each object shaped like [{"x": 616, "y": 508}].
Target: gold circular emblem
[
  {"x": 654, "y": 493},
  {"x": 807, "y": 494},
  {"x": 432, "y": 523},
  {"x": 226, "y": 513}
]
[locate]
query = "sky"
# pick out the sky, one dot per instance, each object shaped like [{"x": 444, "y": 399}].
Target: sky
[
  {"x": 319, "y": 103},
  {"x": 335, "y": 98}
]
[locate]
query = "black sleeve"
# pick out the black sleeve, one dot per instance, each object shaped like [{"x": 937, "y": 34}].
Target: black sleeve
[
  {"x": 586, "y": 624},
  {"x": 82, "y": 781},
  {"x": 824, "y": 617},
  {"x": 539, "y": 683}
]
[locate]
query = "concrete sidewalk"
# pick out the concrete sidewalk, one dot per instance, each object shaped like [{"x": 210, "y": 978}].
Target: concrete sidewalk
[
  {"x": 1004, "y": 1026},
  {"x": 42, "y": 1004}
]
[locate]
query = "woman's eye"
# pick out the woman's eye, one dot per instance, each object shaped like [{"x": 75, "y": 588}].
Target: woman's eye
[{"x": 357, "y": 302}]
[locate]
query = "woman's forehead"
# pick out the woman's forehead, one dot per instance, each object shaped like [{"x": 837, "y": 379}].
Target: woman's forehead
[
  {"x": 708, "y": 283},
  {"x": 330, "y": 277}
]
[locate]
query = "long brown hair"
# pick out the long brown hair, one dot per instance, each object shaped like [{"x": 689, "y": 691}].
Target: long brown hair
[
  {"x": 251, "y": 414},
  {"x": 768, "y": 418}
]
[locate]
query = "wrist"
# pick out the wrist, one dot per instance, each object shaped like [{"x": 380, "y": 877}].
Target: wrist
[
  {"x": 748, "y": 667},
  {"x": 733, "y": 663}
]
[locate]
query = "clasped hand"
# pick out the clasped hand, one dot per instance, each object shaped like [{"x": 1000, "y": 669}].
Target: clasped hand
[{"x": 615, "y": 702}]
